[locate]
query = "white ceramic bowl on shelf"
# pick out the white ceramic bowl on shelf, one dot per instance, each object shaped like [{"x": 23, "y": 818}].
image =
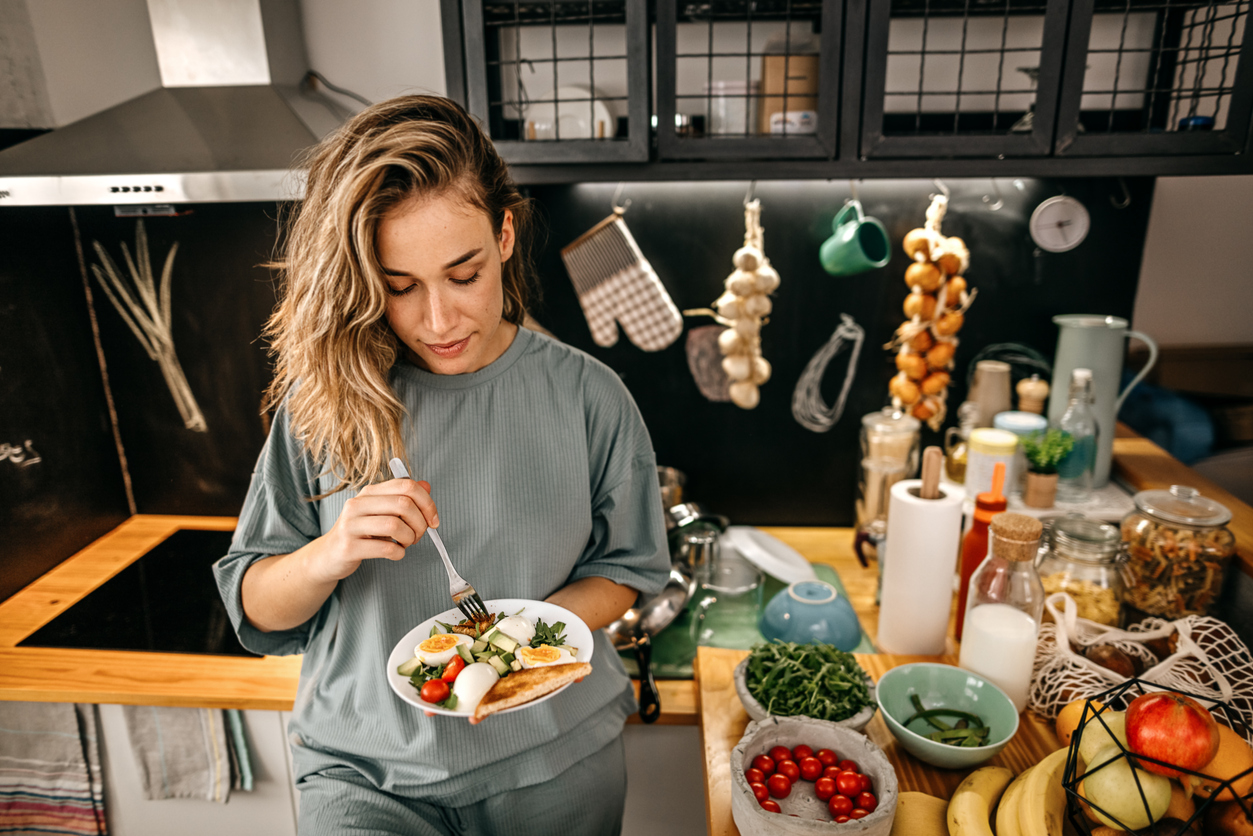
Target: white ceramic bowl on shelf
[{"x": 757, "y": 711}]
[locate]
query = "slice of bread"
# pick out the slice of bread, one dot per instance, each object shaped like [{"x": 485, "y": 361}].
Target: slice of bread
[{"x": 528, "y": 684}]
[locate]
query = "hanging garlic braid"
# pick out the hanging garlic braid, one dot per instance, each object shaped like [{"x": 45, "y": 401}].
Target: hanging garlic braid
[{"x": 332, "y": 345}]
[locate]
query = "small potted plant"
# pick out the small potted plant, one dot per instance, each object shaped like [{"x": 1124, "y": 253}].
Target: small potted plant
[{"x": 1044, "y": 451}]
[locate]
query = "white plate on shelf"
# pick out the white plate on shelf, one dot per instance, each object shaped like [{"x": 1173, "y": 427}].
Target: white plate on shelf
[
  {"x": 769, "y": 554},
  {"x": 576, "y": 119},
  {"x": 576, "y": 632}
]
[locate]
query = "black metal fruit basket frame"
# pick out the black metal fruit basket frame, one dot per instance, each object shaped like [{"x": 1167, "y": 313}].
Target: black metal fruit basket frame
[{"x": 1117, "y": 699}]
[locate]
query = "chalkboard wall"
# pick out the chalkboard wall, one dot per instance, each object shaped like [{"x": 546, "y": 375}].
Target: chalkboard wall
[{"x": 758, "y": 467}]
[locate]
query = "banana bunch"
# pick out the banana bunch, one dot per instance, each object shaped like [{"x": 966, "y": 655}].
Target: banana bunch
[{"x": 1033, "y": 804}]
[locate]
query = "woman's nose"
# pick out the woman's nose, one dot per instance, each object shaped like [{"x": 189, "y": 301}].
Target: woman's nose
[{"x": 438, "y": 314}]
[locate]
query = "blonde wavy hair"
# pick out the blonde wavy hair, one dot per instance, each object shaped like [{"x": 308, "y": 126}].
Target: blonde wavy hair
[{"x": 332, "y": 345}]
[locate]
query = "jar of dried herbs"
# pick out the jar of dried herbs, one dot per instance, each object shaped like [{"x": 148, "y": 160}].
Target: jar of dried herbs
[
  {"x": 1178, "y": 551},
  {"x": 1082, "y": 559}
]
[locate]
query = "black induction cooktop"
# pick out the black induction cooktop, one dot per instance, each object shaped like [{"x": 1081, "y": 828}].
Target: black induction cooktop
[{"x": 166, "y": 601}]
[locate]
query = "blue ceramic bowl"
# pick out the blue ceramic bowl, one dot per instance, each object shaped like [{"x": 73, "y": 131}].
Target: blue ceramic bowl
[
  {"x": 944, "y": 686},
  {"x": 811, "y": 611}
]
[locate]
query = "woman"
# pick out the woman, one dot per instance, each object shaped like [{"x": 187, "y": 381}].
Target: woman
[{"x": 398, "y": 335}]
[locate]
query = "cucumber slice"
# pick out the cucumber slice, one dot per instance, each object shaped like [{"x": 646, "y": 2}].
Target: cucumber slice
[
  {"x": 497, "y": 663},
  {"x": 464, "y": 653},
  {"x": 478, "y": 647},
  {"x": 409, "y": 668}
]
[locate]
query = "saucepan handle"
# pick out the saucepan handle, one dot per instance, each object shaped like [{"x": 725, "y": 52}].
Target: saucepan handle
[{"x": 650, "y": 704}]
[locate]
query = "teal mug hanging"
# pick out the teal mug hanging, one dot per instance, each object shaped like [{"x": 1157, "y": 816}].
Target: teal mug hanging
[{"x": 858, "y": 243}]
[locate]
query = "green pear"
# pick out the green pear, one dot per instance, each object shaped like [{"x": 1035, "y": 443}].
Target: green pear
[
  {"x": 1113, "y": 789},
  {"x": 1097, "y": 737}
]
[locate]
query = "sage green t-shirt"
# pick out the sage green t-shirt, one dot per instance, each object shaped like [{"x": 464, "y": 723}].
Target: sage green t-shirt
[{"x": 543, "y": 473}]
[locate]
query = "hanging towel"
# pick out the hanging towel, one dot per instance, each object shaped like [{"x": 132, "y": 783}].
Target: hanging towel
[
  {"x": 50, "y": 775},
  {"x": 188, "y": 752}
]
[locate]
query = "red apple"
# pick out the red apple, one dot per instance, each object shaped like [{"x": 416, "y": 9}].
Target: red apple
[{"x": 1171, "y": 728}]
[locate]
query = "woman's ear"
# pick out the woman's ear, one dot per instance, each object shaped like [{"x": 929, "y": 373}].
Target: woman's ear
[{"x": 506, "y": 236}]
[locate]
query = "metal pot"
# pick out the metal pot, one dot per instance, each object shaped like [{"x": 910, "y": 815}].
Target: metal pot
[{"x": 638, "y": 625}]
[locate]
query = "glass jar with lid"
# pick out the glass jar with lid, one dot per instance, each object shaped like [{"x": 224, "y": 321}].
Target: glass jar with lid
[
  {"x": 889, "y": 453},
  {"x": 1178, "y": 551},
  {"x": 1083, "y": 558}
]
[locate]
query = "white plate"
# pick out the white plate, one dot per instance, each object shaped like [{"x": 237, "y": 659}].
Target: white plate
[
  {"x": 577, "y": 635},
  {"x": 769, "y": 554},
  {"x": 576, "y": 119}
]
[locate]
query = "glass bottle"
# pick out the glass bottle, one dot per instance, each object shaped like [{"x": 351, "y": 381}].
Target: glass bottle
[
  {"x": 1004, "y": 606},
  {"x": 975, "y": 543},
  {"x": 955, "y": 450},
  {"x": 1074, "y": 473}
]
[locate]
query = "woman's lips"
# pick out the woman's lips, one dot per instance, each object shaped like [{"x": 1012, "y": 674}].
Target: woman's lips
[{"x": 449, "y": 349}]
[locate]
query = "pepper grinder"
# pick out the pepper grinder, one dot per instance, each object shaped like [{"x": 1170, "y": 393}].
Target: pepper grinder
[{"x": 1031, "y": 394}]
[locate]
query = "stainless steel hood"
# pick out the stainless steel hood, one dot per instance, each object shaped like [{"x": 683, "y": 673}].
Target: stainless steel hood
[{"x": 226, "y": 125}]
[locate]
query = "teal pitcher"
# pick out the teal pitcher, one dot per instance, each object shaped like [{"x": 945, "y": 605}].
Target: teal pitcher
[{"x": 1092, "y": 341}]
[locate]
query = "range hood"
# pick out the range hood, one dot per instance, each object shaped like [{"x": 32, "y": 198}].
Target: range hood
[{"x": 226, "y": 124}]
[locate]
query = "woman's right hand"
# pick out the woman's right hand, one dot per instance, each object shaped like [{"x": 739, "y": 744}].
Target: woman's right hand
[{"x": 379, "y": 522}]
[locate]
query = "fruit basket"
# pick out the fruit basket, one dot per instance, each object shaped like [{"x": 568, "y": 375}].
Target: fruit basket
[{"x": 1154, "y": 760}]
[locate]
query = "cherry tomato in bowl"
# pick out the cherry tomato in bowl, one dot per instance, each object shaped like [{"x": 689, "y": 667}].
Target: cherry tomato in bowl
[
  {"x": 848, "y": 765},
  {"x": 801, "y": 752},
  {"x": 858, "y": 813},
  {"x": 779, "y": 785},
  {"x": 780, "y": 753},
  {"x": 759, "y": 790},
  {"x": 765, "y": 763},
  {"x": 811, "y": 768},
  {"x": 848, "y": 783},
  {"x": 771, "y": 805},
  {"x": 790, "y": 769},
  {"x": 824, "y": 788},
  {"x": 840, "y": 805},
  {"x": 828, "y": 757},
  {"x": 754, "y": 775},
  {"x": 867, "y": 801}
]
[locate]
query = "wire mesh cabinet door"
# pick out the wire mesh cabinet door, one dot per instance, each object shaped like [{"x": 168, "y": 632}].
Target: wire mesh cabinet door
[
  {"x": 748, "y": 79},
  {"x": 961, "y": 78},
  {"x": 560, "y": 81},
  {"x": 1160, "y": 77}
]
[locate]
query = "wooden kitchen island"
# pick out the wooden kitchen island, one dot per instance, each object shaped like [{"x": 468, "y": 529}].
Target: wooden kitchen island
[{"x": 141, "y": 678}]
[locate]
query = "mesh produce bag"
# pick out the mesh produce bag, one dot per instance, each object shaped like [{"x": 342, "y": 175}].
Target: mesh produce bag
[{"x": 1203, "y": 655}]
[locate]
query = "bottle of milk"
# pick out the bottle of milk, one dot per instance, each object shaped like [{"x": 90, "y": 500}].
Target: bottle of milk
[{"x": 1004, "y": 607}]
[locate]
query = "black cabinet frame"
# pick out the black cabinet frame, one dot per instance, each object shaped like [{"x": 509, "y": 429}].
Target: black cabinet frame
[{"x": 478, "y": 95}]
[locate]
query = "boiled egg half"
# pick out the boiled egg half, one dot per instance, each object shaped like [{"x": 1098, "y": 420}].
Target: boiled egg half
[
  {"x": 472, "y": 683},
  {"x": 440, "y": 648},
  {"x": 517, "y": 628},
  {"x": 544, "y": 655}
]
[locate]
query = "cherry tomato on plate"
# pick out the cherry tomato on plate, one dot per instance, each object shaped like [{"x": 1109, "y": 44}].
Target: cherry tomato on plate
[
  {"x": 801, "y": 752},
  {"x": 771, "y": 805},
  {"x": 811, "y": 768},
  {"x": 790, "y": 769},
  {"x": 754, "y": 775},
  {"x": 454, "y": 667},
  {"x": 779, "y": 785},
  {"x": 765, "y": 763},
  {"x": 828, "y": 757},
  {"x": 824, "y": 788},
  {"x": 848, "y": 783},
  {"x": 848, "y": 765},
  {"x": 839, "y": 805},
  {"x": 434, "y": 690},
  {"x": 780, "y": 753},
  {"x": 759, "y": 790},
  {"x": 858, "y": 813},
  {"x": 867, "y": 801}
]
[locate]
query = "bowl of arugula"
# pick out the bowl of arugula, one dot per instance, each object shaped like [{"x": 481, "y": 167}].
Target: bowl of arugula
[{"x": 787, "y": 679}]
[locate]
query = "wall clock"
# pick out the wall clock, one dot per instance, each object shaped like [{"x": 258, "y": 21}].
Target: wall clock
[{"x": 1059, "y": 224}]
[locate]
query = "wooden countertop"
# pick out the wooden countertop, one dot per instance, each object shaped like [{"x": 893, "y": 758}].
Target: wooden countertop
[{"x": 64, "y": 675}]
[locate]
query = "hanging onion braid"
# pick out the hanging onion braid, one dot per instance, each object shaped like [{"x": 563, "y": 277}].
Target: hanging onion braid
[{"x": 332, "y": 345}]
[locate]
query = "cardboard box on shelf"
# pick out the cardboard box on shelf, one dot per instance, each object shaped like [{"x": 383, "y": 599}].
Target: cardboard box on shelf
[{"x": 788, "y": 83}]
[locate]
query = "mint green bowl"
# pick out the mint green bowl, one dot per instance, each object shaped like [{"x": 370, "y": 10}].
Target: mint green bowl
[{"x": 944, "y": 686}]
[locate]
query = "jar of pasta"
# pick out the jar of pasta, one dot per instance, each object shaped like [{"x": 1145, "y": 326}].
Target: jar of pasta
[
  {"x": 1083, "y": 558},
  {"x": 1178, "y": 550}
]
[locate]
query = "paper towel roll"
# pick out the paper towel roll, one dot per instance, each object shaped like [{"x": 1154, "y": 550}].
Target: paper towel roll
[{"x": 921, "y": 556}]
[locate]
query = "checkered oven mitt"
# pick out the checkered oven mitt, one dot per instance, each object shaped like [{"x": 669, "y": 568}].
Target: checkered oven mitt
[{"x": 614, "y": 281}]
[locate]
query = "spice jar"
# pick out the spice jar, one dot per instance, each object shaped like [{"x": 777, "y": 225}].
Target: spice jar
[
  {"x": 1178, "y": 550},
  {"x": 1082, "y": 558},
  {"x": 987, "y": 447}
]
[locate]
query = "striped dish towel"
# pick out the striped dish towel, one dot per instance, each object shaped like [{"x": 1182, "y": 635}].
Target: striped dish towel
[
  {"x": 189, "y": 752},
  {"x": 614, "y": 281},
  {"x": 50, "y": 778}
]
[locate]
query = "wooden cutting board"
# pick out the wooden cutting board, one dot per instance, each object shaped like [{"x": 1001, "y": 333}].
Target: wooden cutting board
[{"x": 723, "y": 720}]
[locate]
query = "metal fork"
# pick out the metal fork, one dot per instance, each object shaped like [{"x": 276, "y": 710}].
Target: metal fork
[{"x": 463, "y": 595}]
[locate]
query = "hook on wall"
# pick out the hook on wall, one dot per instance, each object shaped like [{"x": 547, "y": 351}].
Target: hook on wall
[
  {"x": 993, "y": 205},
  {"x": 852, "y": 190},
  {"x": 748, "y": 195},
  {"x": 1126, "y": 196},
  {"x": 939, "y": 184},
  {"x": 617, "y": 193}
]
